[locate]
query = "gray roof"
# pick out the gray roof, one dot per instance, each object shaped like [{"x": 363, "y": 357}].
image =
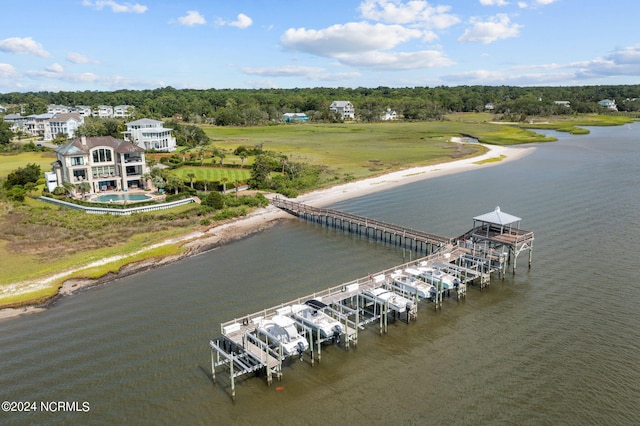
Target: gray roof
[
  {"x": 143, "y": 121},
  {"x": 497, "y": 217},
  {"x": 75, "y": 147}
]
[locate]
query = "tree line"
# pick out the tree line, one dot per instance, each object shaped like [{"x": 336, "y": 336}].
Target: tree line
[{"x": 249, "y": 107}]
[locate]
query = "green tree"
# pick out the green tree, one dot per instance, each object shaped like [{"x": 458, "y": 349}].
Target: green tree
[
  {"x": 191, "y": 176},
  {"x": 23, "y": 175},
  {"x": 6, "y": 135},
  {"x": 214, "y": 200}
]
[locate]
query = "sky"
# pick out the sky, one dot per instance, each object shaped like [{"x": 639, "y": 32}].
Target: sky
[{"x": 106, "y": 45}]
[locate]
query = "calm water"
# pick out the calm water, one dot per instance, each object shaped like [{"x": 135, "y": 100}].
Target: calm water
[{"x": 557, "y": 344}]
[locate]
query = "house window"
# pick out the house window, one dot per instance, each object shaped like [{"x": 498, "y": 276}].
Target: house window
[
  {"x": 77, "y": 161},
  {"x": 102, "y": 156}
]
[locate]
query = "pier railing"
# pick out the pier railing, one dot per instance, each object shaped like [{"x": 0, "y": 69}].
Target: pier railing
[{"x": 377, "y": 227}]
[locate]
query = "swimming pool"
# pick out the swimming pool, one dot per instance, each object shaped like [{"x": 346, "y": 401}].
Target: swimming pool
[{"x": 109, "y": 198}]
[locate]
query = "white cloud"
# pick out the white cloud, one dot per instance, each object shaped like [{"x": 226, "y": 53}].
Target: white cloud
[
  {"x": 7, "y": 71},
  {"x": 115, "y": 7},
  {"x": 242, "y": 21},
  {"x": 310, "y": 73},
  {"x": 23, "y": 46},
  {"x": 78, "y": 58},
  {"x": 397, "y": 60},
  {"x": 494, "y": 2},
  {"x": 55, "y": 68},
  {"x": 192, "y": 18},
  {"x": 350, "y": 38},
  {"x": 412, "y": 12},
  {"x": 495, "y": 28}
]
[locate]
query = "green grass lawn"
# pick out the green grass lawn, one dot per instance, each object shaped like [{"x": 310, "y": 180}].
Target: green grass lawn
[
  {"x": 366, "y": 149},
  {"x": 215, "y": 174},
  {"x": 10, "y": 162}
]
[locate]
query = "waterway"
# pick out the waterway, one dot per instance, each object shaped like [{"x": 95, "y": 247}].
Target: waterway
[{"x": 556, "y": 344}]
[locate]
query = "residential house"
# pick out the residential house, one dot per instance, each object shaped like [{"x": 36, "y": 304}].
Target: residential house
[
  {"x": 150, "y": 134},
  {"x": 565, "y": 104},
  {"x": 103, "y": 111},
  {"x": 16, "y": 121},
  {"x": 105, "y": 162},
  {"x": 120, "y": 111},
  {"x": 36, "y": 124},
  {"x": 344, "y": 108},
  {"x": 289, "y": 117},
  {"x": 3, "y": 109},
  {"x": 83, "y": 110},
  {"x": 65, "y": 124},
  {"x": 389, "y": 114},
  {"x": 489, "y": 106},
  {"x": 608, "y": 104},
  {"x": 58, "y": 109}
]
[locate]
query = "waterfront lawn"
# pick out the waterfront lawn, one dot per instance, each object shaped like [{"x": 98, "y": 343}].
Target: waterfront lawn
[
  {"x": 11, "y": 162},
  {"x": 213, "y": 174},
  {"x": 360, "y": 150}
]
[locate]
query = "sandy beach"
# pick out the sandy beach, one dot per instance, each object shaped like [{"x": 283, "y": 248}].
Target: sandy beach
[{"x": 200, "y": 242}]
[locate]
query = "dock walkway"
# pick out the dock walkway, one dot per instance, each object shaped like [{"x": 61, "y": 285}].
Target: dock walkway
[{"x": 470, "y": 259}]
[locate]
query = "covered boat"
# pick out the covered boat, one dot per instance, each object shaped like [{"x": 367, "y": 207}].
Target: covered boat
[
  {"x": 281, "y": 329},
  {"x": 396, "y": 302},
  {"x": 311, "y": 315},
  {"x": 410, "y": 282}
]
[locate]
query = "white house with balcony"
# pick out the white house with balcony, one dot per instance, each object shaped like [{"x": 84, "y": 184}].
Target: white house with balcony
[
  {"x": 65, "y": 124},
  {"x": 150, "y": 134},
  {"x": 103, "y": 111},
  {"x": 344, "y": 108},
  {"x": 105, "y": 162},
  {"x": 120, "y": 111},
  {"x": 609, "y": 104},
  {"x": 389, "y": 115}
]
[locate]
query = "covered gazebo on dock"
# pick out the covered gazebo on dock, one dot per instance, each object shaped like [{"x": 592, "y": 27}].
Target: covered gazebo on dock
[{"x": 500, "y": 232}]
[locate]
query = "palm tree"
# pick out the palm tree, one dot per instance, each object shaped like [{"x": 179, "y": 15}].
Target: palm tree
[
  {"x": 191, "y": 176},
  {"x": 243, "y": 155},
  {"x": 158, "y": 182},
  {"x": 224, "y": 184},
  {"x": 70, "y": 188},
  {"x": 145, "y": 178},
  {"x": 84, "y": 187}
]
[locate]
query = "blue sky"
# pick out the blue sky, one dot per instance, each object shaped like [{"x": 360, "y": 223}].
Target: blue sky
[{"x": 105, "y": 45}]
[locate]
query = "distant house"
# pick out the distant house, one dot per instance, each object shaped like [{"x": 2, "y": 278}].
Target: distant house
[
  {"x": 62, "y": 123},
  {"x": 289, "y": 117},
  {"x": 123, "y": 110},
  {"x": 608, "y": 104},
  {"x": 16, "y": 121},
  {"x": 150, "y": 134},
  {"x": 489, "y": 106},
  {"x": 344, "y": 108},
  {"x": 36, "y": 124},
  {"x": 3, "y": 109},
  {"x": 389, "y": 114},
  {"x": 58, "y": 109},
  {"x": 83, "y": 110},
  {"x": 105, "y": 162},
  {"x": 565, "y": 104}
]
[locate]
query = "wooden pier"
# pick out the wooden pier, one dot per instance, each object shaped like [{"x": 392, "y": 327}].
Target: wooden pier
[
  {"x": 418, "y": 241},
  {"x": 494, "y": 241}
]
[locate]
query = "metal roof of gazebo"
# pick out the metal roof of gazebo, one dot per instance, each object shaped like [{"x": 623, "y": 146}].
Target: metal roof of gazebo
[{"x": 497, "y": 217}]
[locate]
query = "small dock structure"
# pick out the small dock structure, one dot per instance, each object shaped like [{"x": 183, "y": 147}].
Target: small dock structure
[{"x": 447, "y": 269}]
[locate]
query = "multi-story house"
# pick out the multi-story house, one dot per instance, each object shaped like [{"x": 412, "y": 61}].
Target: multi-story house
[
  {"x": 83, "y": 110},
  {"x": 103, "y": 111},
  {"x": 150, "y": 134},
  {"x": 344, "y": 108},
  {"x": 58, "y": 109},
  {"x": 36, "y": 124},
  {"x": 65, "y": 124},
  {"x": 120, "y": 111},
  {"x": 608, "y": 104},
  {"x": 105, "y": 162}
]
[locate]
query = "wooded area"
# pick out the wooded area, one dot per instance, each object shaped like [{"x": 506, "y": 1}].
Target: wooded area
[{"x": 249, "y": 107}]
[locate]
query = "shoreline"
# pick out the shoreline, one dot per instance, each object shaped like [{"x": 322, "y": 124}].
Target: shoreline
[{"x": 197, "y": 243}]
